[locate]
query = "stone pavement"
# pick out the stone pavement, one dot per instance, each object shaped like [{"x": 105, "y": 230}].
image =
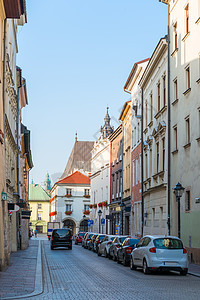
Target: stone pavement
[
  {"x": 24, "y": 278},
  {"x": 20, "y": 277}
]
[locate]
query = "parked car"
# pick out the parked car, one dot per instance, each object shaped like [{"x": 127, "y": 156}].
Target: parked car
[
  {"x": 105, "y": 245},
  {"x": 78, "y": 239},
  {"x": 87, "y": 239},
  {"x": 116, "y": 244},
  {"x": 124, "y": 252},
  {"x": 98, "y": 240},
  {"x": 84, "y": 239},
  {"x": 91, "y": 242},
  {"x": 160, "y": 253},
  {"x": 61, "y": 237}
]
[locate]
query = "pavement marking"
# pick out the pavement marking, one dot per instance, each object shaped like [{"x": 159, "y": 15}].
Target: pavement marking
[{"x": 39, "y": 286}]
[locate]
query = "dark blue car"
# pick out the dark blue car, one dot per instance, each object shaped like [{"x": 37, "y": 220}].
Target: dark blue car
[{"x": 124, "y": 252}]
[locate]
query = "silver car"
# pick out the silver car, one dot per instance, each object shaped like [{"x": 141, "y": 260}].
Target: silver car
[
  {"x": 105, "y": 244},
  {"x": 160, "y": 253}
]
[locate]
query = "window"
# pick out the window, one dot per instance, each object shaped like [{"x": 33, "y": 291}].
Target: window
[
  {"x": 113, "y": 184},
  {"x": 69, "y": 192},
  {"x": 117, "y": 183},
  {"x": 39, "y": 205},
  {"x": 187, "y": 201},
  {"x": 151, "y": 103},
  {"x": 39, "y": 216},
  {"x": 146, "y": 121},
  {"x": 158, "y": 96},
  {"x": 187, "y": 120},
  {"x": 175, "y": 89},
  {"x": 157, "y": 156},
  {"x": 121, "y": 181},
  {"x": 146, "y": 166},
  {"x": 106, "y": 193},
  {"x": 163, "y": 154},
  {"x": 164, "y": 90},
  {"x": 187, "y": 19},
  {"x": 133, "y": 172},
  {"x": 86, "y": 207},
  {"x": 175, "y": 37},
  {"x": 87, "y": 192},
  {"x": 68, "y": 207},
  {"x": 150, "y": 162},
  {"x": 175, "y": 138},
  {"x": 187, "y": 70},
  {"x": 136, "y": 171}
]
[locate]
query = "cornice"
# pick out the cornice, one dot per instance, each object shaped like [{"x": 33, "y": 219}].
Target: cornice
[{"x": 9, "y": 135}]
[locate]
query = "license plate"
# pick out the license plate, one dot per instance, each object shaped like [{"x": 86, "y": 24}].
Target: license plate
[{"x": 169, "y": 263}]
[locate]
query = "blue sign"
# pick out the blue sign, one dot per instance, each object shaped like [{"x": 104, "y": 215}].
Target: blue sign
[
  {"x": 103, "y": 221},
  {"x": 91, "y": 222}
]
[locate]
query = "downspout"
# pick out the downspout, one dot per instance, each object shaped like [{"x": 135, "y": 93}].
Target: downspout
[
  {"x": 142, "y": 177},
  {"x": 169, "y": 126}
]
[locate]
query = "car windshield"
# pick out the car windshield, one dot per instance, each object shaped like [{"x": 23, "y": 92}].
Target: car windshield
[
  {"x": 61, "y": 232},
  {"x": 81, "y": 234},
  {"x": 168, "y": 243},
  {"x": 101, "y": 237},
  {"x": 121, "y": 239},
  {"x": 133, "y": 241}
]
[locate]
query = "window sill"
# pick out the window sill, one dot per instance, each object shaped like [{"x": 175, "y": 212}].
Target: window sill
[
  {"x": 174, "y": 52},
  {"x": 198, "y": 80},
  {"x": 186, "y": 92},
  {"x": 198, "y": 139},
  {"x": 197, "y": 21},
  {"x": 174, "y": 102},
  {"x": 187, "y": 145},
  {"x": 150, "y": 124},
  {"x": 162, "y": 110},
  {"x": 186, "y": 36},
  {"x": 175, "y": 151}
]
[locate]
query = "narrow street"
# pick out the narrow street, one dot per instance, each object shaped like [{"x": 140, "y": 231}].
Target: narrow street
[{"x": 81, "y": 274}]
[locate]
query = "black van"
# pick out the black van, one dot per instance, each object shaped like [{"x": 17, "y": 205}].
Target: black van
[{"x": 61, "y": 238}]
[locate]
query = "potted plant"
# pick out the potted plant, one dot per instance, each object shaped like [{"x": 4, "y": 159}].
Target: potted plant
[
  {"x": 68, "y": 195},
  {"x": 90, "y": 206},
  {"x": 95, "y": 205},
  {"x": 105, "y": 203},
  {"x": 68, "y": 212},
  {"x": 86, "y": 212},
  {"x": 87, "y": 196},
  {"x": 100, "y": 204}
]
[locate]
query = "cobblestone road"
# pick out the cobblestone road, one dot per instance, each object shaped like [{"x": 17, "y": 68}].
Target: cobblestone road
[{"x": 81, "y": 274}]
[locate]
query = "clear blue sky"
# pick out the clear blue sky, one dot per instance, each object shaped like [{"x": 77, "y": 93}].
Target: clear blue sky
[{"x": 76, "y": 57}]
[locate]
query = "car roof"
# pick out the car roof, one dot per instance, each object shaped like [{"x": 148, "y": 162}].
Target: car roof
[{"x": 162, "y": 236}]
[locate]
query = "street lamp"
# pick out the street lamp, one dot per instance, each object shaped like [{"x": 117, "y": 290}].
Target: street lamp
[
  {"x": 178, "y": 190},
  {"x": 122, "y": 206},
  {"x": 99, "y": 213}
]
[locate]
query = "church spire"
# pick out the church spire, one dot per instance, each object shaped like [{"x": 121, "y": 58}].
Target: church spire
[
  {"x": 76, "y": 137},
  {"x": 106, "y": 130}
]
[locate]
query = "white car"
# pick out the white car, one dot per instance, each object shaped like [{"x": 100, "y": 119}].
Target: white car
[
  {"x": 105, "y": 245},
  {"x": 160, "y": 253}
]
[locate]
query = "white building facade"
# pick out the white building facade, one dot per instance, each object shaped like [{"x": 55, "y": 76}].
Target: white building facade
[
  {"x": 155, "y": 145},
  {"x": 70, "y": 200},
  {"x": 100, "y": 180}
]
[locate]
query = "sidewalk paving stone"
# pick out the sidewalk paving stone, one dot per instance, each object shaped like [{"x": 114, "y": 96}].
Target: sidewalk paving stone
[{"x": 19, "y": 278}]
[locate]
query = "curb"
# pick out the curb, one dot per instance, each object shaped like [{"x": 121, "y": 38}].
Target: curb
[
  {"x": 194, "y": 274},
  {"x": 38, "y": 278}
]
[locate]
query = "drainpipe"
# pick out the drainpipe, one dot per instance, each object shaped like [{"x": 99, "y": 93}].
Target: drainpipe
[
  {"x": 142, "y": 177},
  {"x": 169, "y": 128}
]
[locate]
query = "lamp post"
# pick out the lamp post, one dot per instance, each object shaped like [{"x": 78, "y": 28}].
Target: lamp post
[
  {"x": 99, "y": 214},
  {"x": 178, "y": 190},
  {"x": 122, "y": 206}
]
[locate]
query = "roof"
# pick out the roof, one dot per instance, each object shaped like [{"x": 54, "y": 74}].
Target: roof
[
  {"x": 37, "y": 193},
  {"x": 75, "y": 178},
  {"x": 126, "y": 104},
  {"x": 133, "y": 71},
  {"x": 80, "y": 158}
]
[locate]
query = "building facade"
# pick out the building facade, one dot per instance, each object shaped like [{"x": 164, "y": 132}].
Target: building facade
[
  {"x": 155, "y": 144},
  {"x": 116, "y": 180},
  {"x": 70, "y": 200},
  {"x": 184, "y": 28},
  {"x": 100, "y": 179},
  {"x": 131, "y": 86},
  {"x": 125, "y": 118}
]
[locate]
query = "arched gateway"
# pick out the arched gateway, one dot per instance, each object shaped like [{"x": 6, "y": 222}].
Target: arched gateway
[
  {"x": 83, "y": 225},
  {"x": 69, "y": 223}
]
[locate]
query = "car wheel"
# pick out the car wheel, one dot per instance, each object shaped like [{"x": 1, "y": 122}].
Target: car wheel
[
  {"x": 98, "y": 253},
  {"x": 70, "y": 247},
  {"x": 105, "y": 253},
  {"x": 76, "y": 243},
  {"x": 52, "y": 248},
  {"x": 124, "y": 261},
  {"x": 114, "y": 257},
  {"x": 132, "y": 266},
  {"x": 109, "y": 256},
  {"x": 183, "y": 272},
  {"x": 145, "y": 267}
]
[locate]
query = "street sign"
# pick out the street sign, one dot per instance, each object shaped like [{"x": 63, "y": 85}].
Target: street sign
[
  {"x": 3, "y": 196},
  {"x": 13, "y": 207},
  {"x": 91, "y": 222},
  {"x": 102, "y": 221}
]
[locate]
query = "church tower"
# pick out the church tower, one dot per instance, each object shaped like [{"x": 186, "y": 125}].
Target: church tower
[
  {"x": 106, "y": 130},
  {"x": 47, "y": 183}
]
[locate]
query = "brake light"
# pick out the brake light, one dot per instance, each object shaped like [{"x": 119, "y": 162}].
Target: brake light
[
  {"x": 184, "y": 251},
  {"x": 152, "y": 250},
  {"x": 98, "y": 242},
  {"x": 128, "y": 250},
  {"x": 52, "y": 238}
]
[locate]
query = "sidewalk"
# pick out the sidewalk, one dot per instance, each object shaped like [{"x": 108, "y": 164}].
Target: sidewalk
[
  {"x": 194, "y": 270},
  {"x": 20, "y": 276}
]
